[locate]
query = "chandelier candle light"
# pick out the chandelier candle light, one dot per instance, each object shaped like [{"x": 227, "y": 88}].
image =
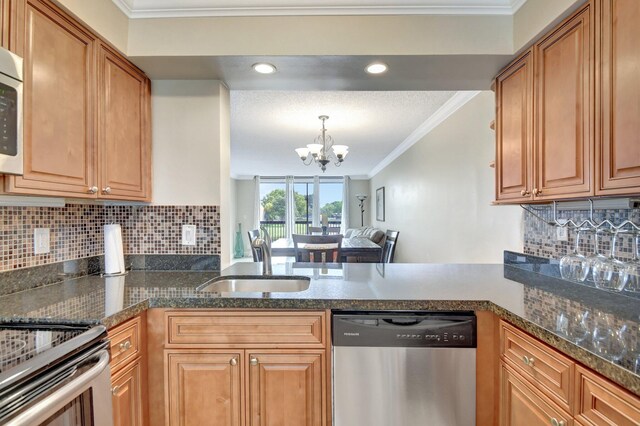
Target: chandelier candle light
[{"x": 323, "y": 151}]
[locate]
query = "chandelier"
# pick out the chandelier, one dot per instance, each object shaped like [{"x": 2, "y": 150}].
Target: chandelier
[{"x": 322, "y": 150}]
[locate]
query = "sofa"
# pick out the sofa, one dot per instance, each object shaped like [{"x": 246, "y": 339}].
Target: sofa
[{"x": 376, "y": 235}]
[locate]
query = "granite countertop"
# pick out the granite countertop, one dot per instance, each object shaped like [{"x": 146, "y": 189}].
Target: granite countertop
[{"x": 597, "y": 328}]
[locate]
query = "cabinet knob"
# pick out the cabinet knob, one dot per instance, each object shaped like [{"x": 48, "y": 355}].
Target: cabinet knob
[
  {"x": 125, "y": 346},
  {"x": 556, "y": 422},
  {"x": 106, "y": 190},
  {"x": 115, "y": 390},
  {"x": 93, "y": 189},
  {"x": 536, "y": 192},
  {"x": 528, "y": 361},
  {"x": 233, "y": 361},
  {"x": 524, "y": 193},
  {"x": 253, "y": 361}
]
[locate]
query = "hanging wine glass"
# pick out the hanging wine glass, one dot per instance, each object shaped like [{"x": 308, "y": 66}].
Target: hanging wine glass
[
  {"x": 597, "y": 254},
  {"x": 631, "y": 273},
  {"x": 575, "y": 265},
  {"x": 607, "y": 273}
]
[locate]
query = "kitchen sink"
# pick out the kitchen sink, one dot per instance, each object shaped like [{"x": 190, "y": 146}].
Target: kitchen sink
[{"x": 285, "y": 284}]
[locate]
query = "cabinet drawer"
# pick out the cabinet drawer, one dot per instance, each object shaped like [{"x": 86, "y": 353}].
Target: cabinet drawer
[
  {"x": 548, "y": 370},
  {"x": 240, "y": 329},
  {"x": 600, "y": 402},
  {"x": 521, "y": 404},
  {"x": 124, "y": 343}
]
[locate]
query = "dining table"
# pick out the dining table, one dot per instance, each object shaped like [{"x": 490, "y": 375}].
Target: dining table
[{"x": 355, "y": 249}]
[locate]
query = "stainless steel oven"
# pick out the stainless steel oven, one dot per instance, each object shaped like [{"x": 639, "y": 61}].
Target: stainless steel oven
[
  {"x": 11, "y": 155},
  {"x": 54, "y": 376}
]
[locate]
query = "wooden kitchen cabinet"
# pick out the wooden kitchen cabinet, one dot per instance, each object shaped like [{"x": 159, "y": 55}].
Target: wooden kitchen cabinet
[
  {"x": 521, "y": 405},
  {"x": 286, "y": 388},
  {"x": 538, "y": 384},
  {"x": 618, "y": 87},
  {"x": 59, "y": 104},
  {"x": 514, "y": 130},
  {"x": 564, "y": 110},
  {"x": 204, "y": 387},
  {"x": 127, "y": 345},
  {"x": 127, "y": 396},
  {"x": 239, "y": 367},
  {"x": 86, "y": 109},
  {"x": 124, "y": 139},
  {"x": 599, "y": 402}
]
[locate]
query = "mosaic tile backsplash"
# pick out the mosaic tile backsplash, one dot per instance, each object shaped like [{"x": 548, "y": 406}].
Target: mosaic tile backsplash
[
  {"x": 76, "y": 231},
  {"x": 540, "y": 238}
]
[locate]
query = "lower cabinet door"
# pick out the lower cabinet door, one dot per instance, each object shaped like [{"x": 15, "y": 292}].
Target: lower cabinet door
[
  {"x": 126, "y": 390},
  {"x": 286, "y": 389},
  {"x": 204, "y": 387},
  {"x": 522, "y": 405}
]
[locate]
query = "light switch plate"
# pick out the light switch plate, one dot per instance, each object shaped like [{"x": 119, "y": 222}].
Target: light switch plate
[
  {"x": 189, "y": 235},
  {"x": 562, "y": 233},
  {"x": 41, "y": 240}
]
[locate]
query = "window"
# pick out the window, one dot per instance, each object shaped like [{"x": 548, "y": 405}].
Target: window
[{"x": 273, "y": 204}]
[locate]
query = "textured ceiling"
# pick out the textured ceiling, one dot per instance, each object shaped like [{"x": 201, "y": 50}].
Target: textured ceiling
[
  {"x": 266, "y": 127},
  {"x": 176, "y": 8}
]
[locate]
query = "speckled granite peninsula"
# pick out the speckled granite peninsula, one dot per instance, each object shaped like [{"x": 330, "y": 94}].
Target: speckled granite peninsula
[{"x": 560, "y": 313}]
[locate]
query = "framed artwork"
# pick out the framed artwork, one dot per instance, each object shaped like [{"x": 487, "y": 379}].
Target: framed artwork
[{"x": 380, "y": 204}]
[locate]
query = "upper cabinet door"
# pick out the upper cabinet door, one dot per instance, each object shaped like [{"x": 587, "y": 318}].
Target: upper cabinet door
[
  {"x": 58, "y": 104},
  {"x": 564, "y": 110},
  {"x": 123, "y": 136},
  {"x": 514, "y": 130},
  {"x": 618, "y": 84}
]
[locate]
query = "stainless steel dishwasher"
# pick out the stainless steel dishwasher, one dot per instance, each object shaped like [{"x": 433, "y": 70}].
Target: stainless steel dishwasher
[{"x": 404, "y": 368}]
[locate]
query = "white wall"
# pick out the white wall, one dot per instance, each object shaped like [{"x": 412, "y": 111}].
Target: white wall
[
  {"x": 438, "y": 194},
  {"x": 359, "y": 186},
  {"x": 185, "y": 117},
  {"x": 322, "y": 35},
  {"x": 191, "y": 148}
]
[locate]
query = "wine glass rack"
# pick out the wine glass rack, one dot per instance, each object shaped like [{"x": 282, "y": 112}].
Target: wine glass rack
[{"x": 590, "y": 222}]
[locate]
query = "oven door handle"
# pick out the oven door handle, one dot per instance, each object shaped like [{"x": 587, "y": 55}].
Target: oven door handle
[{"x": 97, "y": 377}]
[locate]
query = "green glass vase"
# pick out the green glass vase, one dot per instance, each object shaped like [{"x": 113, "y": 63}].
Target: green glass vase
[{"x": 238, "y": 247}]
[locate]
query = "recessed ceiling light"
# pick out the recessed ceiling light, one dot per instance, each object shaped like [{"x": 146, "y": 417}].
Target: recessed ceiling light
[
  {"x": 264, "y": 68},
  {"x": 376, "y": 68}
]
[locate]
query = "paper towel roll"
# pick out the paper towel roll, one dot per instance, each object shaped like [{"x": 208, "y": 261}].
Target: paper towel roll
[
  {"x": 113, "y": 250},
  {"x": 113, "y": 294}
]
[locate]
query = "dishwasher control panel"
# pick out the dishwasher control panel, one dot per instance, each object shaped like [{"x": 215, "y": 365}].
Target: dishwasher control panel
[{"x": 405, "y": 329}]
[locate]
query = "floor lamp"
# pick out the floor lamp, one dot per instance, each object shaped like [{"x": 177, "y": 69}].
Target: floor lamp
[{"x": 361, "y": 198}]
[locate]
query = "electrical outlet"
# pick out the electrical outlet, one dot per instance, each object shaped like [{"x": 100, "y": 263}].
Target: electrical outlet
[
  {"x": 189, "y": 235},
  {"x": 41, "y": 241},
  {"x": 562, "y": 233}
]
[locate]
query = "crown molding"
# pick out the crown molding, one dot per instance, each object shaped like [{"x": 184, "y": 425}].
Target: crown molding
[
  {"x": 445, "y": 111},
  {"x": 125, "y": 7},
  {"x": 128, "y": 7}
]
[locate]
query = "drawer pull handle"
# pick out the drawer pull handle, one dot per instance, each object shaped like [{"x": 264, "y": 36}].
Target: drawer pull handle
[
  {"x": 115, "y": 389},
  {"x": 253, "y": 361},
  {"x": 233, "y": 362},
  {"x": 556, "y": 422},
  {"x": 528, "y": 361},
  {"x": 125, "y": 346}
]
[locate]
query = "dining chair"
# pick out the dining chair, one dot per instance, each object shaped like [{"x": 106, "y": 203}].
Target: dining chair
[
  {"x": 256, "y": 252},
  {"x": 389, "y": 248},
  {"x": 317, "y": 248}
]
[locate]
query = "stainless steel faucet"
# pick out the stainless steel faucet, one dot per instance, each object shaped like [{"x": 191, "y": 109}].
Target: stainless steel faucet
[{"x": 266, "y": 255}]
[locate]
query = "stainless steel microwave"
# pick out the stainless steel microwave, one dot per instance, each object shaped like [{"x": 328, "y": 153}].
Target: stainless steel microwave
[{"x": 11, "y": 153}]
